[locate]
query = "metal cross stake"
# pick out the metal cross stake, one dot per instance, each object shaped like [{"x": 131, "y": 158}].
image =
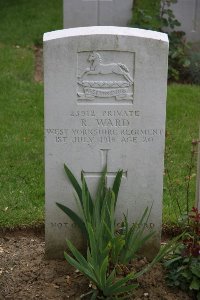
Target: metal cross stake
[{"x": 104, "y": 162}]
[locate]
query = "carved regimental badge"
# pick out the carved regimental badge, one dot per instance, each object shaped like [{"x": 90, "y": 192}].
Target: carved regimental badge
[{"x": 105, "y": 76}]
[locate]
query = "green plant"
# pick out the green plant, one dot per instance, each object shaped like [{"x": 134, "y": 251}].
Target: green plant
[
  {"x": 90, "y": 210},
  {"x": 108, "y": 247},
  {"x": 183, "y": 212},
  {"x": 157, "y": 17},
  {"x": 134, "y": 237},
  {"x": 183, "y": 265},
  {"x": 194, "y": 68},
  {"x": 164, "y": 20},
  {"x": 124, "y": 243},
  {"x": 145, "y": 14},
  {"x": 178, "y": 58}
]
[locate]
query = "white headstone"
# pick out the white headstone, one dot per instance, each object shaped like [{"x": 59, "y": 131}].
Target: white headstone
[
  {"x": 187, "y": 13},
  {"x": 78, "y": 13},
  {"x": 105, "y": 98}
]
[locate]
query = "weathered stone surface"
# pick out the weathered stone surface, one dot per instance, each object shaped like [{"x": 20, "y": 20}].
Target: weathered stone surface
[
  {"x": 79, "y": 13},
  {"x": 105, "y": 98}
]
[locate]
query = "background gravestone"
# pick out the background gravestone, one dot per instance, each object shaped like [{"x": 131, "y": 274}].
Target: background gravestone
[
  {"x": 187, "y": 13},
  {"x": 105, "y": 99},
  {"x": 79, "y": 13}
]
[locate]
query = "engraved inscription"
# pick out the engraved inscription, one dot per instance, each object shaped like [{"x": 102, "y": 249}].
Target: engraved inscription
[
  {"x": 105, "y": 127},
  {"x": 101, "y": 81},
  {"x": 105, "y": 135},
  {"x": 62, "y": 226},
  {"x": 59, "y": 226}
]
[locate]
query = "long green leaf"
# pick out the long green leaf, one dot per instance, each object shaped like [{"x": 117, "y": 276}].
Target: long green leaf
[
  {"x": 110, "y": 210},
  {"x": 96, "y": 216},
  {"x": 93, "y": 241},
  {"x": 117, "y": 183},
  {"x": 136, "y": 230},
  {"x": 117, "y": 245},
  {"x": 110, "y": 290},
  {"x": 169, "y": 262},
  {"x": 85, "y": 266},
  {"x": 135, "y": 238},
  {"x": 169, "y": 247},
  {"x": 111, "y": 278},
  {"x": 86, "y": 210},
  {"x": 101, "y": 189},
  {"x": 74, "y": 182},
  {"x": 78, "y": 266},
  {"x": 103, "y": 271},
  {"x": 91, "y": 205},
  {"x": 74, "y": 217},
  {"x": 79, "y": 257},
  {"x": 125, "y": 289},
  {"x": 137, "y": 245}
]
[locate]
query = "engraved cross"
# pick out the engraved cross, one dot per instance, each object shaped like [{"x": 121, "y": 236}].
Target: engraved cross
[{"x": 104, "y": 162}]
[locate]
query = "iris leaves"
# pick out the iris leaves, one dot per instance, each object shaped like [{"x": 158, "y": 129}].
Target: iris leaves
[{"x": 107, "y": 247}]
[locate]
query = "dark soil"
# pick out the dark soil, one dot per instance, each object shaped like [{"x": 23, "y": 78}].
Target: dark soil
[{"x": 25, "y": 274}]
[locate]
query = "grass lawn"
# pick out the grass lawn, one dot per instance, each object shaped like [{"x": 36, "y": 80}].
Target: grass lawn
[
  {"x": 21, "y": 110},
  {"x": 183, "y": 119}
]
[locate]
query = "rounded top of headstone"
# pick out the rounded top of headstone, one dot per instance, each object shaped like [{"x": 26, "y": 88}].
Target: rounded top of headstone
[{"x": 105, "y": 30}]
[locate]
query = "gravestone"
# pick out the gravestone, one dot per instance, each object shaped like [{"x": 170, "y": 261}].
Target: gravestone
[
  {"x": 79, "y": 13},
  {"x": 105, "y": 98},
  {"x": 187, "y": 13}
]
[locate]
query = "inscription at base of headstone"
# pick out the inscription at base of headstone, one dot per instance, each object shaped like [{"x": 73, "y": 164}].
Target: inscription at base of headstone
[
  {"x": 79, "y": 13},
  {"x": 105, "y": 98}
]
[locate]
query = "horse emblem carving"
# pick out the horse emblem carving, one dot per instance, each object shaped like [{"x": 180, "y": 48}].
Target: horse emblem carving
[
  {"x": 101, "y": 86},
  {"x": 97, "y": 67}
]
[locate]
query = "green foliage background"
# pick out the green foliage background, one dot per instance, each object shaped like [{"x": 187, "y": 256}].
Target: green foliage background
[{"x": 151, "y": 7}]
